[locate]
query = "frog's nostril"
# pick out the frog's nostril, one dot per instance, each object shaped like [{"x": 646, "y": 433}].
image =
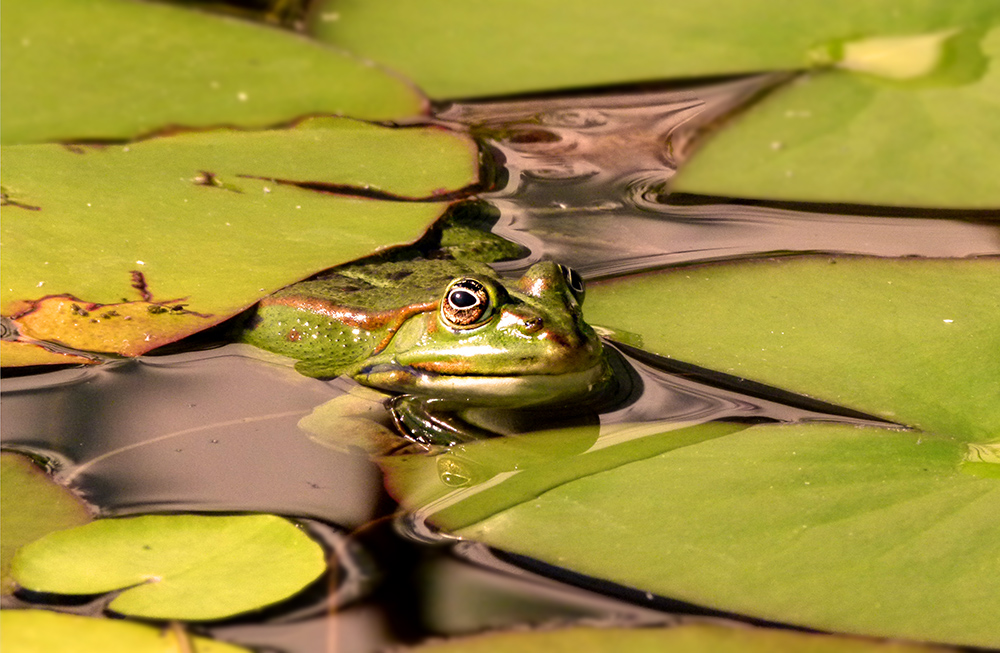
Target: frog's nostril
[{"x": 531, "y": 324}]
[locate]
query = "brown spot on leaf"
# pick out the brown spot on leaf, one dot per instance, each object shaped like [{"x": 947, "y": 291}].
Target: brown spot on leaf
[
  {"x": 5, "y": 200},
  {"x": 139, "y": 283},
  {"x": 144, "y": 325}
]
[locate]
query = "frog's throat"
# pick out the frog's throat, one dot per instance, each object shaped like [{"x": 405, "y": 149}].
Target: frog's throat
[{"x": 474, "y": 390}]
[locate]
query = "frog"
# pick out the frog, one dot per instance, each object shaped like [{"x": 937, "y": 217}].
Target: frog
[{"x": 439, "y": 329}]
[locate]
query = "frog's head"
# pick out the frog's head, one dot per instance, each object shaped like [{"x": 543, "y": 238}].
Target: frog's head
[{"x": 491, "y": 342}]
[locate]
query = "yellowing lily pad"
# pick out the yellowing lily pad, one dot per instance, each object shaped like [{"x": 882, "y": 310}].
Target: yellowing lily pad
[
  {"x": 125, "y": 328},
  {"x": 912, "y": 341},
  {"x": 129, "y": 247},
  {"x": 22, "y": 354},
  {"x": 192, "y": 567},
  {"x": 31, "y": 505},
  {"x": 40, "y": 631},
  {"x": 116, "y": 69}
]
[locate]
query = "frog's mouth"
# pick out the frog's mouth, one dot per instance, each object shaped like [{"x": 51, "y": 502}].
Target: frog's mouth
[{"x": 520, "y": 390}]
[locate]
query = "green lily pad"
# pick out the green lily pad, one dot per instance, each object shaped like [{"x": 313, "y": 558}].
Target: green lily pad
[
  {"x": 116, "y": 69},
  {"x": 193, "y": 567},
  {"x": 40, "y": 631},
  {"x": 121, "y": 249},
  {"x": 451, "y": 50},
  {"x": 912, "y": 341},
  {"x": 841, "y": 137},
  {"x": 693, "y": 638},
  {"x": 32, "y": 505},
  {"x": 859, "y": 530}
]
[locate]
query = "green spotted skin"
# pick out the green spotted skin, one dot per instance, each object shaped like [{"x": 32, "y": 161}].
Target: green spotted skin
[
  {"x": 332, "y": 324},
  {"x": 439, "y": 327}
]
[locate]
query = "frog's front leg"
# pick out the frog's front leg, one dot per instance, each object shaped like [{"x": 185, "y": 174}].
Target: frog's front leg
[{"x": 420, "y": 420}]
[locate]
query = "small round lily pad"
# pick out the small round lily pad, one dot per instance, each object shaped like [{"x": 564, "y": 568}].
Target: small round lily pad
[{"x": 193, "y": 567}]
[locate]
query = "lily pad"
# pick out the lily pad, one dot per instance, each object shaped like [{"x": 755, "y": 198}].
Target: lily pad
[
  {"x": 694, "y": 638},
  {"x": 137, "y": 67},
  {"x": 912, "y": 124},
  {"x": 134, "y": 246},
  {"x": 193, "y": 567},
  {"x": 40, "y": 631},
  {"x": 451, "y": 51},
  {"x": 912, "y": 341},
  {"x": 32, "y": 505},
  {"x": 860, "y": 530},
  {"x": 842, "y": 137}
]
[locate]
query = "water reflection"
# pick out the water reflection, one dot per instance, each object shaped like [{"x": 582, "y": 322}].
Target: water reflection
[
  {"x": 213, "y": 431},
  {"x": 652, "y": 411},
  {"x": 587, "y": 177}
]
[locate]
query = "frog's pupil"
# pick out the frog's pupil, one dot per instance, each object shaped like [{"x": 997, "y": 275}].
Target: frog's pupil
[
  {"x": 463, "y": 299},
  {"x": 466, "y": 303}
]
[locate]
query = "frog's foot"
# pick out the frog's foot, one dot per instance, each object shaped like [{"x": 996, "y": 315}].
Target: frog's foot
[{"x": 416, "y": 419}]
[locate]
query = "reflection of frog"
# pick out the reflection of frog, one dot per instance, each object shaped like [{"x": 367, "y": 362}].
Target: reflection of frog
[{"x": 439, "y": 326}]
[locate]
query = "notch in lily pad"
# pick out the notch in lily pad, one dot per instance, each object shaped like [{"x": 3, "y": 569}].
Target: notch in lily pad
[{"x": 191, "y": 567}]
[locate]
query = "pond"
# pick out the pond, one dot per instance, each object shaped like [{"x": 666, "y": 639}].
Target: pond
[
  {"x": 792, "y": 444},
  {"x": 578, "y": 179}
]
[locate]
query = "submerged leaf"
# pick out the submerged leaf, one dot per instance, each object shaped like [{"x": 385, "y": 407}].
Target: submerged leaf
[
  {"x": 137, "y": 67},
  {"x": 192, "y": 567},
  {"x": 32, "y": 505},
  {"x": 40, "y": 631}
]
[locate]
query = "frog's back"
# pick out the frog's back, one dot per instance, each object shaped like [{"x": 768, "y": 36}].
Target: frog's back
[{"x": 336, "y": 321}]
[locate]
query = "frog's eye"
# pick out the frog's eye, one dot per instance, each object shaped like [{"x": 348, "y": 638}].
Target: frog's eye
[
  {"x": 466, "y": 303},
  {"x": 574, "y": 281}
]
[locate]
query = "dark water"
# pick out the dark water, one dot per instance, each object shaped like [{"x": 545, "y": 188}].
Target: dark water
[{"x": 582, "y": 182}]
